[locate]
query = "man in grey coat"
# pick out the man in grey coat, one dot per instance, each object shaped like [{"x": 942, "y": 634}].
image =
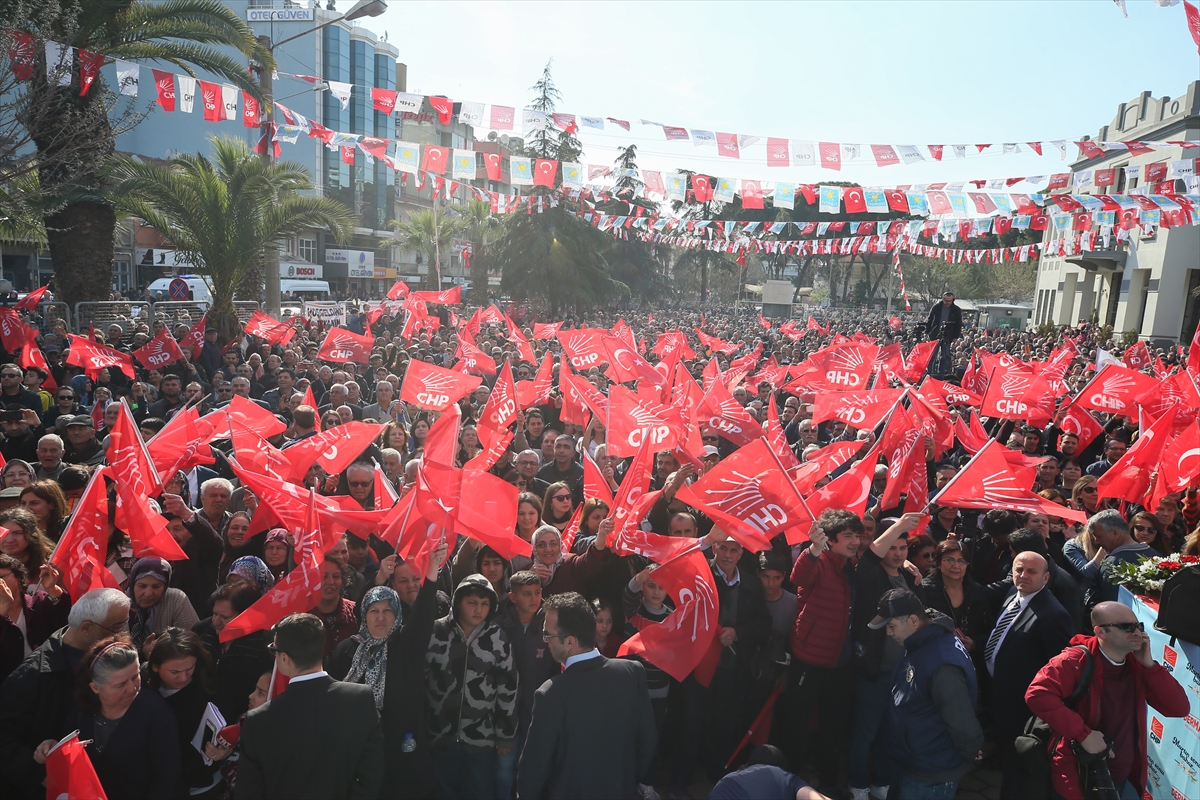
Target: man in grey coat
[{"x": 592, "y": 734}]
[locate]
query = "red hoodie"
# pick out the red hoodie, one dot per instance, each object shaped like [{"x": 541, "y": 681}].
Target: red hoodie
[{"x": 1055, "y": 681}]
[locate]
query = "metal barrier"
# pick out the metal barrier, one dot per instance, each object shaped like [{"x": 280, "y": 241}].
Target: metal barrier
[
  {"x": 245, "y": 309},
  {"x": 177, "y": 312},
  {"x": 50, "y": 313},
  {"x": 121, "y": 312}
]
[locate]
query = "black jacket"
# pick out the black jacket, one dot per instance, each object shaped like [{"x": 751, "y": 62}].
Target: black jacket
[
  {"x": 1041, "y": 631},
  {"x": 141, "y": 759},
  {"x": 196, "y": 576},
  {"x": 753, "y": 622},
  {"x": 34, "y": 701},
  {"x": 405, "y": 774},
  {"x": 189, "y": 705},
  {"x": 933, "y": 325},
  {"x": 872, "y": 584},
  {"x": 975, "y": 616},
  {"x": 237, "y": 669},
  {"x": 592, "y": 733},
  {"x": 319, "y": 739},
  {"x": 532, "y": 659}
]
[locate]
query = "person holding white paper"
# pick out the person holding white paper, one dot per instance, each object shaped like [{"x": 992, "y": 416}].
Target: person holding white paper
[{"x": 180, "y": 670}]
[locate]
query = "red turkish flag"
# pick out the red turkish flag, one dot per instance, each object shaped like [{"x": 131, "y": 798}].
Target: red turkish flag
[
  {"x": 856, "y": 203},
  {"x": 1129, "y": 478},
  {"x": 702, "y": 188},
  {"x": 435, "y": 388},
  {"x": 1193, "y": 22},
  {"x": 159, "y": 351},
  {"x": 626, "y": 364},
  {"x": 860, "y": 409},
  {"x": 334, "y": 449},
  {"x": 474, "y": 361},
  {"x": 398, "y": 291},
  {"x": 1114, "y": 390},
  {"x": 492, "y": 163},
  {"x": 446, "y": 297},
  {"x": 258, "y": 455},
  {"x": 850, "y": 490},
  {"x": 383, "y": 100},
  {"x": 95, "y": 357},
  {"x": 545, "y": 170},
  {"x": 897, "y": 200},
  {"x": 1179, "y": 466},
  {"x": 477, "y": 504},
  {"x": 269, "y": 329},
  {"x": 444, "y": 107},
  {"x": 831, "y": 155},
  {"x": 1137, "y": 357},
  {"x": 983, "y": 202},
  {"x": 343, "y": 345},
  {"x": 752, "y": 196},
  {"x": 179, "y": 445},
  {"x": 1081, "y": 221},
  {"x": 636, "y": 419},
  {"x": 30, "y": 301},
  {"x": 939, "y": 203},
  {"x": 681, "y": 643},
  {"x": 988, "y": 482},
  {"x": 724, "y": 415},
  {"x": 70, "y": 774},
  {"x": 435, "y": 159},
  {"x": 32, "y": 356},
  {"x": 80, "y": 552}
]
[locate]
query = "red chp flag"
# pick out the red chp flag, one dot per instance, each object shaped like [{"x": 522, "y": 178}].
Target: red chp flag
[
  {"x": 446, "y": 297},
  {"x": 70, "y": 774},
  {"x": 473, "y": 360},
  {"x": 30, "y": 301},
  {"x": 95, "y": 357},
  {"x": 719, "y": 411},
  {"x": 635, "y": 420},
  {"x": 1137, "y": 357},
  {"x": 345, "y": 345},
  {"x": 81, "y": 551},
  {"x": 269, "y": 329},
  {"x": 1115, "y": 390},
  {"x": 178, "y": 445},
  {"x": 584, "y": 347},
  {"x": 1129, "y": 478},
  {"x": 398, "y": 291},
  {"x": 164, "y": 83},
  {"x": 434, "y": 388},
  {"x": 159, "y": 351},
  {"x": 749, "y": 496},
  {"x": 194, "y": 338},
  {"x": 477, "y": 504},
  {"x": 987, "y": 481},
  {"x": 857, "y": 409},
  {"x": 500, "y": 411},
  {"x": 138, "y": 481},
  {"x": 546, "y": 330}
]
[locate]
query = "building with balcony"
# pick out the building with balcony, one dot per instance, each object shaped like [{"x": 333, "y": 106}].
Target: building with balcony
[{"x": 1145, "y": 282}]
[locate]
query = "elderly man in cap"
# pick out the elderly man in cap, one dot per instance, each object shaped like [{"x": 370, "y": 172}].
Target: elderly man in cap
[
  {"x": 82, "y": 445},
  {"x": 936, "y": 736}
]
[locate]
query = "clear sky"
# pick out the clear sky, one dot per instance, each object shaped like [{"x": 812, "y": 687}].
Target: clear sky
[{"x": 861, "y": 72}]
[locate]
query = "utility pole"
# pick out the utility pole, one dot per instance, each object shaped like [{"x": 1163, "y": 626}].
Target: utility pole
[{"x": 271, "y": 290}]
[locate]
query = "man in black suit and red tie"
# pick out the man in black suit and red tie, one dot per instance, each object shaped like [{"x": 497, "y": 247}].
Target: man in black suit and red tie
[
  {"x": 319, "y": 739},
  {"x": 592, "y": 732},
  {"x": 1032, "y": 628}
]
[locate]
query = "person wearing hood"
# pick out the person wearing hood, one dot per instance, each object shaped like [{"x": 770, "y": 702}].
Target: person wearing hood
[
  {"x": 936, "y": 735},
  {"x": 388, "y": 654},
  {"x": 472, "y": 691},
  {"x": 155, "y": 605}
]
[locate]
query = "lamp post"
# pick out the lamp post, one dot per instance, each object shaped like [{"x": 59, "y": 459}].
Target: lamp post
[{"x": 363, "y": 8}]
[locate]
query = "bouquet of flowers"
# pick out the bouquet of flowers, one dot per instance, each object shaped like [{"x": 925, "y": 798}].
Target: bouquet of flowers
[{"x": 1148, "y": 575}]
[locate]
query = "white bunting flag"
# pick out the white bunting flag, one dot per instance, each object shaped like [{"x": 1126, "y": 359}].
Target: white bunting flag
[
  {"x": 702, "y": 138},
  {"x": 1011, "y": 148},
  {"x": 408, "y": 103},
  {"x": 341, "y": 91},
  {"x": 533, "y": 120},
  {"x": 1061, "y": 144},
  {"x": 960, "y": 150},
  {"x": 229, "y": 97},
  {"x": 909, "y": 154},
  {"x": 850, "y": 152},
  {"x": 186, "y": 85},
  {"x": 1183, "y": 169},
  {"x": 803, "y": 154},
  {"x": 471, "y": 114},
  {"x": 1083, "y": 179},
  {"x": 127, "y": 77},
  {"x": 592, "y": 122}
]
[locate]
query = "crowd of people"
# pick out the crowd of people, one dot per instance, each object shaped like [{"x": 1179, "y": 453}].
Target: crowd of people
[{"x": 895, "y": 646}]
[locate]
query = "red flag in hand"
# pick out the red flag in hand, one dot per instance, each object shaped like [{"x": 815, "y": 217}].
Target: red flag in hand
[
  {"x": 80, "y": 553},
  {"x": 1137, "y": 357},
  {"x": 725, "y": 415},
  {"x": 635, "y": 420},
  {"x": 987, "y": 481},
  {"x": 270, "y": 329},
  {"x": 334, "y": 449},
  {"x": 178, "y": 445},
  {"x": 524, "y": 349},
  {"x": 749, "y": 496},
  {"x": 194, "y": 338},
  {"x": 30, "y": 301},
  {"x": 159, "y": 351},
  {"x": 94, "y": 357},
  {"x": 777, "y": 438},
  {"x": 398, "y": 291},
  {"x": 1115, "y": 390},
  {"x": 537, "y": 391},
  {"x": 138, "y": 481},
  {"x": 500, "y": 411},
  {"x": 435, "y": 388},
  {"x": 475, "y": 503},
  {"x": 1129, "y": 478},
  {"x": 70, "y": 774},
  {"x": 862, "y": 410},
  {"x": 850, "y": 491},
  {"x": 473, "y": 360},
  {"x": 345, "y": 345}
]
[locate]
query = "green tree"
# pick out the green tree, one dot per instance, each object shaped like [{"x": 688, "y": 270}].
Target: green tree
[
  {"x": 225, "y": 212},
  {"x": 481, "y": 227},
  {"x": 430, "y": 234},
  {"x": 188, "y": 34}
]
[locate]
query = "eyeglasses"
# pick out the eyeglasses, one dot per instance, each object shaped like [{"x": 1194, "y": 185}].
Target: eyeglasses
[
  {"x": 1088, "y": 490},
  {"x": 10, "y": 374},
  {"x": 561, "y": 497},
  {"x": 708, "y": 438},
  {"x": 66, "y": 397},
  {"x": 548, "y": 636},
  {"x": 955, "y": 561},
  {"x": 272, "y": 649},
  {"x": 359, "y": 484},
  {"x": 1140, "y": 528},
  {"x": 1124, "y": 627}
]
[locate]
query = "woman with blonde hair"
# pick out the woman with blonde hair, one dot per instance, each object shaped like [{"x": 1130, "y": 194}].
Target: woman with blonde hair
[{"x": 1084, "y": 557}]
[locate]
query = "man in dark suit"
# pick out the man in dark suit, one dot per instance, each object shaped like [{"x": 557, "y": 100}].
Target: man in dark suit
[
  {"x": 320, "y": 738},
  {"x": 592, "y": 732},
  {"x": 1033, "y": 627},
  {"x": 944, "y": 326}
]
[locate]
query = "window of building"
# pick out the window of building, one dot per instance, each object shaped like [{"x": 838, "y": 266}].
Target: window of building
[{"x": 308, "y": 250}]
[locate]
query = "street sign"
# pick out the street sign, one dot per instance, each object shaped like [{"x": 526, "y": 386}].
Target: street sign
[{"x": 178, "y": 290}]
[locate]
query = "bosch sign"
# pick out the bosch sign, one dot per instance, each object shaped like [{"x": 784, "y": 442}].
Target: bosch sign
[{"x": 300, "y": 270}]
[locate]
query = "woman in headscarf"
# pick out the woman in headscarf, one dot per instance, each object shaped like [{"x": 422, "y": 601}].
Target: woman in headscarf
[
  {"x": 568, "y": 572},
  {"x": 388, "y": 654},
  {"x": 277, "y": 552},
  {"x": 251, "y": 570},
  {"x": 154, "y": 606},
  {"x": 233, "y": 541}
]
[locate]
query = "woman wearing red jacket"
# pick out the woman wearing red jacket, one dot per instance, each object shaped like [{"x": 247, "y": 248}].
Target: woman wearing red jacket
[{"x": 1125, "y": 677}]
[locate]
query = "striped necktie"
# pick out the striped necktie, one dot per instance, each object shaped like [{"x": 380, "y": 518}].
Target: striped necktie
[{"x": 1002, "y": 624}]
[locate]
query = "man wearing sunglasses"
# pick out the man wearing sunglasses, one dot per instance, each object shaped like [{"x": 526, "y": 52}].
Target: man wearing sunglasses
[{"x": 1111, "y": 714}]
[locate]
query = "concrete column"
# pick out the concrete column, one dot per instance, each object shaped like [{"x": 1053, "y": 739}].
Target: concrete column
[
  {"x": 1087, "y": 299},
  {"x": 1065, "y": 314},
  {"x": 1129, "y": 309}
]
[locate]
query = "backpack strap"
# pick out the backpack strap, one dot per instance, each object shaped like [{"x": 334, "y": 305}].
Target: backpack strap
[{"x": 1085, "y": 677}]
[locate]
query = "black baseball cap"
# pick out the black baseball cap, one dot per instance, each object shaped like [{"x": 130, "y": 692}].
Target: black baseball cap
[{"x": 896, "y": 603}]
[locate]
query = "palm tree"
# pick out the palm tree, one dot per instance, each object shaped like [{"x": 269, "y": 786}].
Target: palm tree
[
  {"x": 225, "y": 213},
  {"x": 188, "y": 34},
  {"x": 429, "y": 234},
  {"x": 481, "y": 227}
]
